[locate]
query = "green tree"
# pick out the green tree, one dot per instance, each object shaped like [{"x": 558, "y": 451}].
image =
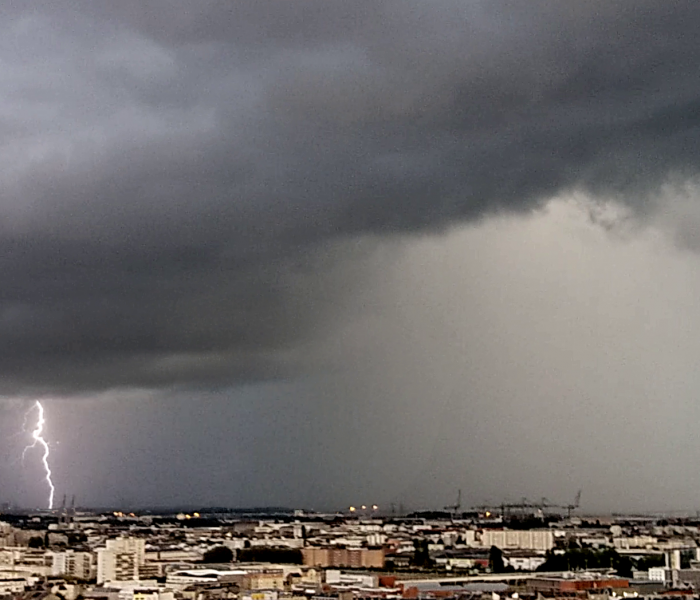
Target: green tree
[
  {"x": 421, "y": 555},
  {"x": 289, "y": 556},
  {"x": 647, "y": 562},
  {"x": 579, "y": 559},
  {"x": 496, "y": 563},
  {"x": 220, "y": 554},
  {"x": 624, "y": 566}
]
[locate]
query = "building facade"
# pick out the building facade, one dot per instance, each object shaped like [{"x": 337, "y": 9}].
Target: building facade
[
  {"x": 73, "y": 564},
  {"x": 527, "y": 539},
  {"x": 120, "y": 560},
  {"x": 354, "y": 558}
]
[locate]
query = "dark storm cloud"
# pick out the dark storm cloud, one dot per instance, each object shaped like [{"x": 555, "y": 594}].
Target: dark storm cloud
[{"x": 181, "y": 186}]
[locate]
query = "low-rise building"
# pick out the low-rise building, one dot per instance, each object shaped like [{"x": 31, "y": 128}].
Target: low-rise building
[
  {"x": 572, "y": 583},
  {"x": 523, "y": 560}
]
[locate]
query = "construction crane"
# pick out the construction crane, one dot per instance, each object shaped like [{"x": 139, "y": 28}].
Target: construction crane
[
  {"x": 571, "y": 507},
  {"x": 526, "y": 506},
  {"x": 455, "y": 507}
]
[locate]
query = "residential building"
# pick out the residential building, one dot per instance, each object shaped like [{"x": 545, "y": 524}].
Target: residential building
[
  {"x": 73, "y": 564},
  {"x": 120, "y": 560},
  {"x": 358, "y": 558},
  {"x": 516, "y": 539}
]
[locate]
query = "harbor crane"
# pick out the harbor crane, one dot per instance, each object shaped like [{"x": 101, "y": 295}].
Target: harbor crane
[{"x": 454, "y": 508}]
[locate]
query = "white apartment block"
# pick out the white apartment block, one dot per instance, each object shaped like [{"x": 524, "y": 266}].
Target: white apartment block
[
  {"x": 13, "y": 586},
  {"x": 120, "y": 560},
  {"x": 78, "y": 565},
  {"x": 540, "y": 540}
]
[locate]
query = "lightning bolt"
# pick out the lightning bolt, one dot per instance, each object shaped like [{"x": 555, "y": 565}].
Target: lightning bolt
[{"x": 38, "y": 437}]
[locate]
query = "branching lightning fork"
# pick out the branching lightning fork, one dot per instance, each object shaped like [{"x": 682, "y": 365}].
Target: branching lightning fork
[{"x": 38, "y": 437}]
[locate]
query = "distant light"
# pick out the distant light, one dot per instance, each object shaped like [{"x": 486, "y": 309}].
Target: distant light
[
  {"x": 196, "y": 515},
  {"x": 488, "y": 513},
  {"x": 364, "y": 507},
  {"x": 375, "y": 507},
  {"x": 352, "y": 509}
]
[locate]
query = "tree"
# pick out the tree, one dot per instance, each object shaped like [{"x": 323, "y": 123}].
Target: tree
[
  {"x": 290, "y": 556},
  {"x": 220, "y": 554},
  {"x": 36, "y": 542},
  {"x": 579, "y": 559},
  {"x": 553, "y": 562},
  {"x": 624, "y": 566},
  {"x": 421, "y": 554},
  {"x": 646, "y": 562},
  {"x": 496, "y": 563}
]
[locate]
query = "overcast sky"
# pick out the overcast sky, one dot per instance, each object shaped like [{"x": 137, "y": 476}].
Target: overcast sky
[{"x": 323, "y": 253}]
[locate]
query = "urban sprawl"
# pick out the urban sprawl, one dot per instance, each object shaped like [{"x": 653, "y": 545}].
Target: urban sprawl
[{"x": 359, "y": 553}]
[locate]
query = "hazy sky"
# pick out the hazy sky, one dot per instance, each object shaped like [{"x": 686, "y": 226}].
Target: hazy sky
[{"x": 323, "y": 253}]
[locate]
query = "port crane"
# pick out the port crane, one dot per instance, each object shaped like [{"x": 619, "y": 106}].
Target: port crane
[
  {"x": 454, "y": 508},
  {"x": 526, "y": 506}
]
